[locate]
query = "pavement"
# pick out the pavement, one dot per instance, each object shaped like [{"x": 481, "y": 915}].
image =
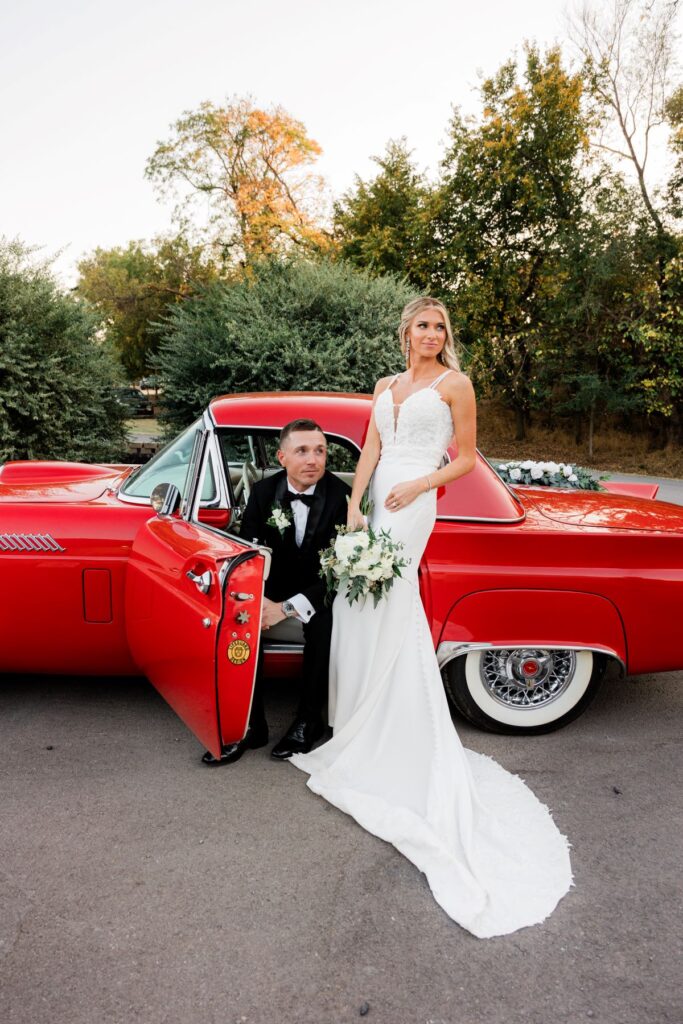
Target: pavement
[{"x": 138, "y": 885}]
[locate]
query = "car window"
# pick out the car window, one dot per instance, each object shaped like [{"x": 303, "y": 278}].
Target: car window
[
  {"x": 252, "y": 455},
  {"x": 339, "y": 458},
  {"x": 169, "y": 466}
]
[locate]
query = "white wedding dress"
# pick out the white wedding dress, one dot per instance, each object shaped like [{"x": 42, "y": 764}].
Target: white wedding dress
[{"x": 493, "y": 857}]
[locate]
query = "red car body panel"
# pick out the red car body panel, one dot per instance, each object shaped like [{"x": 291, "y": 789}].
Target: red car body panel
[
  {"x": 91, "y": 583},
  {"x": 181, "y": 638}
]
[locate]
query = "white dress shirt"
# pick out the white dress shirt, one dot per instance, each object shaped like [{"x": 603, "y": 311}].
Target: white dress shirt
[{"x": 304, "y": 609}]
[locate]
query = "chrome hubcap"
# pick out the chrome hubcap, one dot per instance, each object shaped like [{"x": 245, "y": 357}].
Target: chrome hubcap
[{"x": 526, "y": 677}]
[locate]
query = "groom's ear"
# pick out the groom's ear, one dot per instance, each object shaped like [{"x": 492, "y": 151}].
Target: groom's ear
[{"x": 280, "y": 457}]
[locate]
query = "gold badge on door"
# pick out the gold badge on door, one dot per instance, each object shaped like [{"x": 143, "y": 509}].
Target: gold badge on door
[{"x": 239, "y": 651}]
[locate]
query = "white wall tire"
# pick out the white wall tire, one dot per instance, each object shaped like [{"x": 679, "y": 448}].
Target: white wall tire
[{"x": 489, "y": 688}]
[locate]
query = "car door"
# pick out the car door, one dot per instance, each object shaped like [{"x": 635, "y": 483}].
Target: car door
[{"x": 193, "y": 613}]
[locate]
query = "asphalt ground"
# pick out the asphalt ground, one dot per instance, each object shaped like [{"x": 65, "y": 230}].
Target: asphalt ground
[{"x": 138, "y": 885}]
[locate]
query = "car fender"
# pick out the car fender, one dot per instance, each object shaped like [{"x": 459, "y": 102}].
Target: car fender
[{"x": 533, "y": 618}]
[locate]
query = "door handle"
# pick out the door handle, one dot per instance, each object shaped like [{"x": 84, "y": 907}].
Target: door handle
[{"x": 202, "y": 581}]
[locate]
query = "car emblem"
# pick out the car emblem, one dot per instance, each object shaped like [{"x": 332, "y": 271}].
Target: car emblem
[{"x": 239, "y": 651}]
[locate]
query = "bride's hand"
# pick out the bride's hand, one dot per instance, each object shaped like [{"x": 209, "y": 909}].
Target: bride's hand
[
  {"x": 401, "y": 495},
  {"x": 355, "y": 520}
]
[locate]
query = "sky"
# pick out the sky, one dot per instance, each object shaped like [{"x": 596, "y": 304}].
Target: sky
[{"x": 87, "y": 89}]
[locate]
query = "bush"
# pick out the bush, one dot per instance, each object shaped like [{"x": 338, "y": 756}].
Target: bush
[
  {"x": 55, "y": 378},
  {"x": 287, "y": 326}
]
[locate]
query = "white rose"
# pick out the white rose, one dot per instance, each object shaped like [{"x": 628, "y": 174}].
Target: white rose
[
  {"x": 567, "y": 471},
  {"x": 536, "y": 473},
  {"x": 503, "y": 467},
  {"x": 361, "y": 564},
  {"x": 376, "y": 573},
  {"x": 552, "y": 467},
  {"x": 528, "y": 464},
  {"x": 515, "y": 474},
  {"x": 346, "y": 544},
  {"x": 573, "y": 478}
]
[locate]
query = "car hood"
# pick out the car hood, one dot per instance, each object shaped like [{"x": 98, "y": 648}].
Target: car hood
[
  {"x": 57, "y": 481},
  {"x": 604, "y": 510}
]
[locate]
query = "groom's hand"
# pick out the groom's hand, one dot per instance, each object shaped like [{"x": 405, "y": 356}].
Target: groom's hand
[{"x": 272, "y": 613}]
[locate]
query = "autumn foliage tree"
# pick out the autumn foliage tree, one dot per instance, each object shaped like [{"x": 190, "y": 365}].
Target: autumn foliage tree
[{"x": 244, "y": 175}]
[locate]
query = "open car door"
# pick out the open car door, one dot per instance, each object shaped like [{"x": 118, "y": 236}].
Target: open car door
[{"x": 193, "y": 617}]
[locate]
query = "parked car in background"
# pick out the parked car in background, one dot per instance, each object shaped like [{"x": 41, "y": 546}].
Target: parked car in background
[
  {"x": 150, "y": 383},
  {"x": 136, "y": 403},
  {"x": 529, "y": 591}
]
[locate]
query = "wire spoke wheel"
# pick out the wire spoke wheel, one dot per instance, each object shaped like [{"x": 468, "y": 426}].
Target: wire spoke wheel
[
  {"x": 523, "y": 689},
  {"x": 528, "y": 677}
]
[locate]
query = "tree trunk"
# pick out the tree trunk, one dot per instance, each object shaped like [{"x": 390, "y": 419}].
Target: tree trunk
[
  {"x": 578, "y": 428},
  {"x": 520, "y": 423},
  {"x": 591, "y": 429}
]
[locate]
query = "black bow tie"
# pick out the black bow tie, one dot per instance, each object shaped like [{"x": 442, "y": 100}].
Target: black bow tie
[{"x": 307, "y": 499}]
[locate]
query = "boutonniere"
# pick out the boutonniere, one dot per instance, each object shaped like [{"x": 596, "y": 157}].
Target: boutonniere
[{"x": 279, "y": 518}]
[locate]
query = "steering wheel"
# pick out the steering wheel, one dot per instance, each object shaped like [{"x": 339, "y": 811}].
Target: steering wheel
[{"x": 248, "y": 476}]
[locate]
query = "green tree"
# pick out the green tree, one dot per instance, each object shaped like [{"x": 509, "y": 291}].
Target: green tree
[
  {"x": 56, "y": 398},
  {"x": 246, "y": 173},
  {"x": 658, "y": 334},
  {"x": 378, "y": 223},
  {"x": 290, "y": 325},
  {"x": 132, "y": 287},
  {"x": 511, "y": 188},
  {"x": 585, "y": 361},
  {"x": 674, "y": 189}
]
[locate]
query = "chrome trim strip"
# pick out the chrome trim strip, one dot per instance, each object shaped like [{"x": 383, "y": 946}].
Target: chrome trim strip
[
  {"x": 448, "y": 650},
  {"x": 479, "y": 519},
  {"x": 282, "y": 648},
  {"x": 29, "y": 542}
]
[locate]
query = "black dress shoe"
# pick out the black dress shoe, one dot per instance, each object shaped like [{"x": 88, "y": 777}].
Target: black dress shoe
[
  {"x": 233, "y": 751},
  {"x": 298, "y": 739}
]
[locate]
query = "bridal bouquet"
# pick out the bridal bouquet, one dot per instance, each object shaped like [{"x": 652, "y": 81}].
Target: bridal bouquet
[{"x": 361, "y": 562}]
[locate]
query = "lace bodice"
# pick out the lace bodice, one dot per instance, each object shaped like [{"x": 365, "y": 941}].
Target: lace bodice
[{"x": 421, "y": 430}]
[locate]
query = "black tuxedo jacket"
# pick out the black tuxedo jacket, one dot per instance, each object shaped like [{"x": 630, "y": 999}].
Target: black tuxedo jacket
[{"x": 295, "y": 570}]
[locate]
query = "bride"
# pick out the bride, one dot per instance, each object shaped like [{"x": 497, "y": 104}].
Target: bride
[{"x": 493, "y": 857}]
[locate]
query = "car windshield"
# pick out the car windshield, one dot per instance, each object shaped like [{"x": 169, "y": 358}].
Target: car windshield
[{"x": 170, "y": 466}]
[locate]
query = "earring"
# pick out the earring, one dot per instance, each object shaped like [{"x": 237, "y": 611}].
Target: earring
[{"x": 407, "y": 351}]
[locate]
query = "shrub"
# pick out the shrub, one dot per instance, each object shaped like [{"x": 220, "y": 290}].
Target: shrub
[
  {"x": 55, "y": 378},
  {"x": 287, "y": 326}
]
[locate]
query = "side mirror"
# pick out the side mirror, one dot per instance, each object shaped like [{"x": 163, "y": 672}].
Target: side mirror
[{"x": 165, "y": 499}]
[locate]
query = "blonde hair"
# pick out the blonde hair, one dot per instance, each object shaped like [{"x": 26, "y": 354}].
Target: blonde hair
[{"x": 447, "y": 356}]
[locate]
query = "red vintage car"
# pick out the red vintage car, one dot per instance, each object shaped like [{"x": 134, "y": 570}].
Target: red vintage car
[{"x": 127, "y": 570}]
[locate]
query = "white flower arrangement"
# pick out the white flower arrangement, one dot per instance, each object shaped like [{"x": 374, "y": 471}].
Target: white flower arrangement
[
  {"x": 361, "y": 562},
  {"x": 548, "y": 474},
  {"x": 279, "y": 518}
]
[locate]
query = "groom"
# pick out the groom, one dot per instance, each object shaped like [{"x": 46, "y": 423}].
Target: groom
[{"x": 307, "y": 502}]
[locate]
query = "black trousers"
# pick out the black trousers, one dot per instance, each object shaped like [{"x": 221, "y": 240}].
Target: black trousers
[{"x": 314, "y": 674}]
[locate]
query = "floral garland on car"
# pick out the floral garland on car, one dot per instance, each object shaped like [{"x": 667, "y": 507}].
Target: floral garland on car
[{"x": 548, "y": 474}]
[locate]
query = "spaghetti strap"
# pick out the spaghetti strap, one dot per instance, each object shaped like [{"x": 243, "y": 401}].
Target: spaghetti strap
[
  {"x": 392, "y": 381},
  {"x": 438, "y": 379}
]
